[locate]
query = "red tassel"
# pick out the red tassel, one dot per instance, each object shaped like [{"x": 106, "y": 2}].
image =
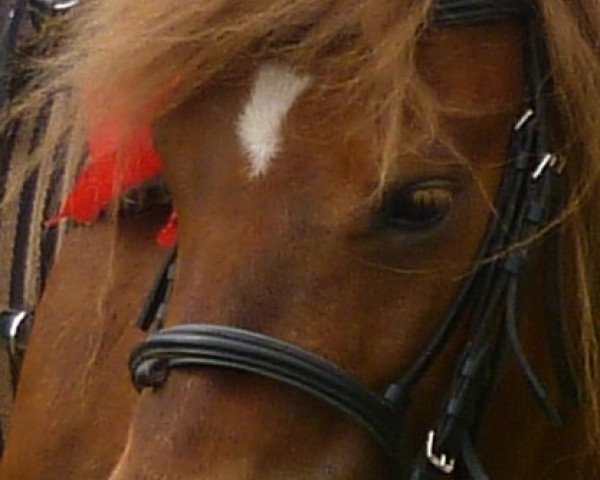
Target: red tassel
[
  {"x": 112, "y": 170},
  {"x": 115, "y": 166}
]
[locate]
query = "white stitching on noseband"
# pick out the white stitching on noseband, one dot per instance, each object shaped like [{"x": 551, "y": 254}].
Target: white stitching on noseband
[{"x": 276, "y": 88}]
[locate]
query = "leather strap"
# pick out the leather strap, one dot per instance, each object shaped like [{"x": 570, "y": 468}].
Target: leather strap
[
  {"x": 153, "y": 311},
  {"x": 450, "y": 13},
  {"x": 200, "y": 345},
  {"x": 8, "y": 44}
]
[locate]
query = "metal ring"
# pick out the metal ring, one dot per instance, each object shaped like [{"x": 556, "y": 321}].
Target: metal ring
[
  {"x": 524, "y": 120},
  {"x": 51, "y": 6},
  {"x": 64, "y": 6},
  {"x": 13, "y": 332},
  {"x": 550, "y": 160}
]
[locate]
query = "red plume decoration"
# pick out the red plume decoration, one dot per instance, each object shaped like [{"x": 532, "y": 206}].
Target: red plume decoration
[{"x": 115, "y": 166}]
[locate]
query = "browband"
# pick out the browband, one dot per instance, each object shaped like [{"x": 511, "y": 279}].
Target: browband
[{"x": 447, "y": 13}]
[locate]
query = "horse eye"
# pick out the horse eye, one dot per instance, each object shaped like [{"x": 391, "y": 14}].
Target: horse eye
[{"x": 417, "y": 206}]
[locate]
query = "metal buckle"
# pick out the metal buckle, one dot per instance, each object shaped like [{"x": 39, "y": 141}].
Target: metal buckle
[
  {"x": 16, "y": 319},
  {"x": 524, "y": 120},
  {"x": 64, "y": 6},
  {"x": 54, "y": 6},
  {"x": 550, "y": 160},
  {"x": 14, "y": 338},
  {"x": 441, "y": 462}
]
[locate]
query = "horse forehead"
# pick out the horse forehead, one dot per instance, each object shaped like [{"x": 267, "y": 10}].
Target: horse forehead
[{"x": 471, "y": 67}]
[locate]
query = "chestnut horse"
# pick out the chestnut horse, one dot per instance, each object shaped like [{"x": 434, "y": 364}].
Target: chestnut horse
[{"x": 351, "y": 180}]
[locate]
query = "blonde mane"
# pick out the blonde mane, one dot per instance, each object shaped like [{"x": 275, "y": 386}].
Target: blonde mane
[{"x": 115, "y": 55}]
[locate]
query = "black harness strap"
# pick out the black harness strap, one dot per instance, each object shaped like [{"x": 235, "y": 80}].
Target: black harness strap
[
  {"x": 533, "y": 181},
  {"x": 452, "y": 13},
  {"x": 153, "y": 311},
  {"x": 8, "y": 44},
  {"x": 237, "y": 349},
  {"x": 28, "y": 249}
]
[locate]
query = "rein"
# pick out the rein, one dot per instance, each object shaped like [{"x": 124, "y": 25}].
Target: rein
[{"x": 527, "y": 197}]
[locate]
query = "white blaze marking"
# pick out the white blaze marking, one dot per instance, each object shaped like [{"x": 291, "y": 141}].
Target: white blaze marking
[{"x": 276, "y": 88}]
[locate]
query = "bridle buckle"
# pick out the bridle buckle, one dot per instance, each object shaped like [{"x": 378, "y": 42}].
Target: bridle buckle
[
  {"x": 12, "y": 323},
  {"x": 441, "y": 462},
  {"x": 549, "y": 160},
  {"x": 53, "y": 7}
]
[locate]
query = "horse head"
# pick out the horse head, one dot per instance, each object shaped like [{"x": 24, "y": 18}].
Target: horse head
[{"x": 369, "y": 204}]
